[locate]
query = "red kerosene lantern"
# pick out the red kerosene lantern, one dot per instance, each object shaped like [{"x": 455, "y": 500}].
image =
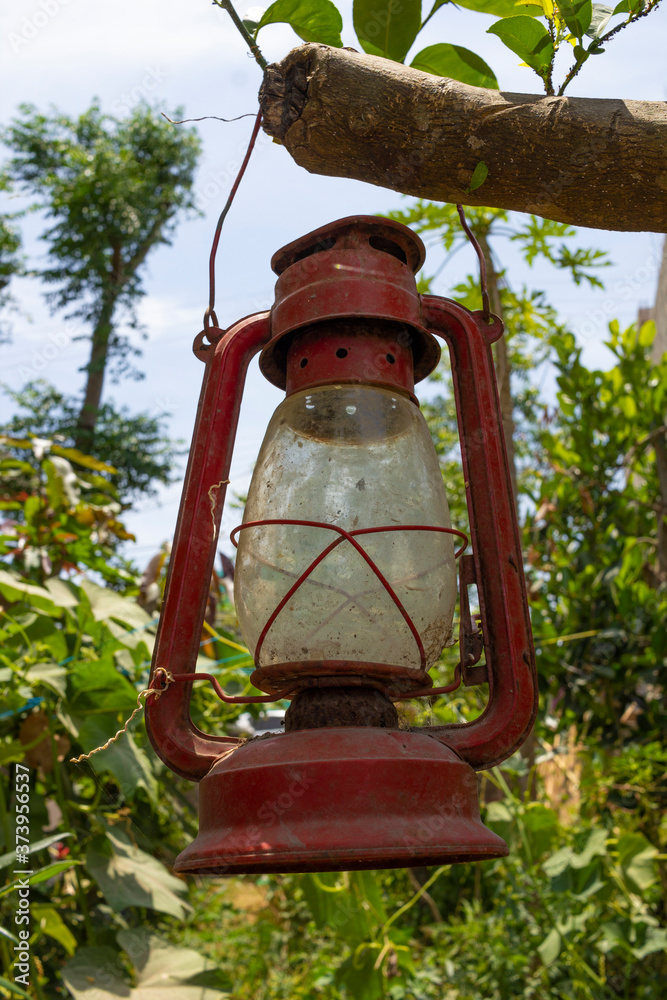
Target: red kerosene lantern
[{"x": 345, "y": 576}]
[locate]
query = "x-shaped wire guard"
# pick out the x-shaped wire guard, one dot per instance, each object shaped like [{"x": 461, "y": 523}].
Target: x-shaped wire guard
[{"x": 343, "y": 536}]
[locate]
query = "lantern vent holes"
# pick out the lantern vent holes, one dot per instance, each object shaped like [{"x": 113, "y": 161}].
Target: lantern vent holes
[
  {"x": 341, "y": 352},
  {"x": 303, "y": 362},
  {"x": 391, "y": 359},
  {"x": 327, "y": 244},
  {"x": 388, "y": 246}
]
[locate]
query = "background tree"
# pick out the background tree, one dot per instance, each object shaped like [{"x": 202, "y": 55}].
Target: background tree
[
  {"x": 113, "y": 189},
  {"x": 136, "y": 445},
  {"x": 10, "y": 262}
]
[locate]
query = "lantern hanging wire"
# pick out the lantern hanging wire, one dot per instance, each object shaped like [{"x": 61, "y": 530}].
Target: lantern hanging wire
[
  {"x": 209, "y": 315},
  {"x": 486, "y": 307}
]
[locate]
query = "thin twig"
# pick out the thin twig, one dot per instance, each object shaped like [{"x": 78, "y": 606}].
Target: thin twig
[
  {"x": 574, "y": 70},
  {"x": 247, "y": 37},
  {"x": 426, "y": 896}
]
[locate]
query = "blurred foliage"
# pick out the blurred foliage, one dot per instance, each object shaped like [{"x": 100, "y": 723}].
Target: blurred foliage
[
  {"x": 578, "y": 908},
  {"x": 11, "y": 262},
  {"x": 111, "y": 189},
  {"x": 136, "y": 445}
]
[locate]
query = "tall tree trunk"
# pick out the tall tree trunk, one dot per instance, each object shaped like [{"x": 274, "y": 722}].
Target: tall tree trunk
[
  {"x": 503, "y": 373},
  {"x": 660, "y": 311},
  {"x": 99, "y": 350},
  {"x": 660, "y": 444},
  {"x": 85, "y": 429},
  {"x": 502, "y": 364}
]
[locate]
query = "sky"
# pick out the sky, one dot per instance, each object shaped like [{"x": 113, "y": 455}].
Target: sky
[{"x": 187, "y": 54}]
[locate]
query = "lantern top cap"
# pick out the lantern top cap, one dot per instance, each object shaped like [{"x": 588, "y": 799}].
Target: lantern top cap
[{"x": 382, "y": 234}]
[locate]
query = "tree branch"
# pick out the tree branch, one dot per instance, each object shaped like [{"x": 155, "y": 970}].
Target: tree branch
[{"x": 583, "y": 161}]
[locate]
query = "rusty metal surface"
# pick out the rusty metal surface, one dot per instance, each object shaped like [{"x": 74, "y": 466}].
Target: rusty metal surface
[
  {"x": 366, "y": 789},
  {"x": 340, "y": 706},
  {"x": 338, "y": 800},
  {"x": 359, "y": 267},
  {"x": 508, "y": 643},
  {"x": 296, "y": 674},
  {"x": 351, "y": 351},
  {"x": 175, "y": 738}
]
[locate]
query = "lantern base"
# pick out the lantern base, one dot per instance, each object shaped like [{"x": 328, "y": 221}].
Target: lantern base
[{"x": 338, "y": 800}]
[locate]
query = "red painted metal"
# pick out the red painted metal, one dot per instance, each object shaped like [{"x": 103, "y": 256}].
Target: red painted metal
[
  {"x": 338, "y": 800},
  {"x": 349, "y": 536},
  {"x": 177, "y": 741},
  {"x": 355, "y": 268},
  {"x": 508, "y": 644},
  {"x": 366, "y": 790},
  {"x": 277, "y": 677},
  {"x": 339, "y": 352}
]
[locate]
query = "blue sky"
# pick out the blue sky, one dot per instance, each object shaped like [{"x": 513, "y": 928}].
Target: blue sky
[{"x": 187, "y": 53}]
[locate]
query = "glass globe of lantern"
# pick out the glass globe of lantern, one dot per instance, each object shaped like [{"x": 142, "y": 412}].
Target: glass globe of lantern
[{"x": 354, "y": 457}]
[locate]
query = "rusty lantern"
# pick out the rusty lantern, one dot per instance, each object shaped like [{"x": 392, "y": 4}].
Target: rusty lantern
[{"x": 345, "y": 574}]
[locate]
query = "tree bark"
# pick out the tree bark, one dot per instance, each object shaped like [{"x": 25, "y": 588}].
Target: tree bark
[
  {"x": 85, "y": 430},
  {"x": 583, "y": 161},
  {"x": 99, "y": 350},
  {"x": 502, "y": 362}
]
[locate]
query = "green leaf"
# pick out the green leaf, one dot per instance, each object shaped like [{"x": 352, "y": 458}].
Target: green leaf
[
  {"x": 105, "y": 603},
  {"x": 479, "y": 175},
  {"x": 312, "y": 20},
  {"x": 456, "y": 63},
  {"x": 13, "y": 988},
  {"x": 47, "y": 919},
  {"x": 549, "y": 950},
  {"x": 14, "y": 588},
  {"x": 61, "y": 593},
  {"x": 129, "y": 765},
  {"x": 635, "y": 859},
  {"x": 95, "y": 974},
  {"x": 98, "y": 688},
  {"x": 577, "y": 15},
  {"x": 8, "y": 936},
  {"x": 130, "y": 877},
  {"x": 39, "y": 845},
  {"x": 496, "y": 8},
  {"x": 51, "y": 674},
  {"x": 387, "y": 27},
  {"x": 157, "y": 962},
  {"x": 163, "y": 972},
  {"x": 528, "y": 38},
  {"x": 656, "y": 940},
  {"x": 600, "y": 18},
  {"x": 43, "y": 875},
  {"x": 74, "y": 455}
]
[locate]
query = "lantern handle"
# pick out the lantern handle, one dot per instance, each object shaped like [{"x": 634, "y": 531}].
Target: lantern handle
[
  {"x": 177, "y": 741},
  {"x": 498, "y": 564}
]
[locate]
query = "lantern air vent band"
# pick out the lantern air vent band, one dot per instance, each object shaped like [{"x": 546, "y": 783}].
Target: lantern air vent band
[{"x": 349, "y": 536}]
